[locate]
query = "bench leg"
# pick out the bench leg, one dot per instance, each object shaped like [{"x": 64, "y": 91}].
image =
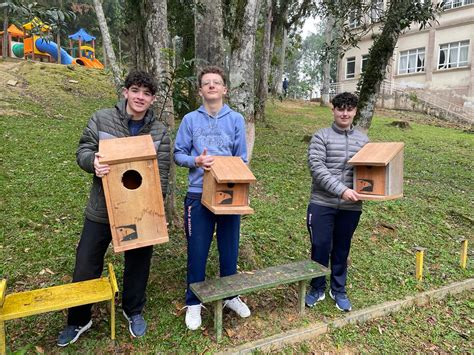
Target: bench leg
[
  {"x": 218, "y": 319},
  {"x": 3, "y": 346},
  {"x": 112, "y": 317},
  {"x": 301, "y": 296}
]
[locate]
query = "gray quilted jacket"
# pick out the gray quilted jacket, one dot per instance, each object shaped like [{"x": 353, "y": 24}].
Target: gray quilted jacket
[
  {"x": 113, "y": 123},
  {"x": 329, "y": 150}
]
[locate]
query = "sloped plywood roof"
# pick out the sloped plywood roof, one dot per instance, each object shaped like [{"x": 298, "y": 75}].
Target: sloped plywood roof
[
  {"x": 377, "y": 154},
  {"x": 231, "y": 169}
]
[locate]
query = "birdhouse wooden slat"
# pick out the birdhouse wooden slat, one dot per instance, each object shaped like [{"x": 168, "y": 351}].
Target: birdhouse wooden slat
[
  {"x": 226, "y": 186},
  {"x": 378, "y": 171},
  {"x": 133, "y": 194}
]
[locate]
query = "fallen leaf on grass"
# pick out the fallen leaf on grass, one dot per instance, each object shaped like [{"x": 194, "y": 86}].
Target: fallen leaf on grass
[
  {"x": 230, "y": 332},
  {"x": 180, "y": 309},
  {"x": 39, "y": 349}
]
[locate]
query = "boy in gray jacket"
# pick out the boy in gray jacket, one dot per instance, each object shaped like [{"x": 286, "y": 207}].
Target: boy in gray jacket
[{"x": 334, "y": 208}]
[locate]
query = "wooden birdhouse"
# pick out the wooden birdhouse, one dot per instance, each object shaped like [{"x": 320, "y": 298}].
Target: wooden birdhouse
[
  {"x": 133, "y": 192},
  {"x": 378, "y": 171},
  {"x": 226, "y": 186}
]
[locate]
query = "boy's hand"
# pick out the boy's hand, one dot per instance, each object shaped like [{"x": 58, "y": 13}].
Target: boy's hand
[
  {"x": 100, "y": 169},
  {"x": 204, "y": 161},
  {"x": 350, "y": 195}
]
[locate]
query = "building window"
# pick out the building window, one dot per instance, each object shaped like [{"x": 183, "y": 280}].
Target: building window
[
  {"x": 453, "y": 55},
  {"x": 350, "y": 68},
  {"x": 452, "y": 4},
  {"x": 412, "y": 61},
  {"x": 354, "y": 19},
  {"x": 365, "y": 60},
  {"x": 376, "y": 10}
]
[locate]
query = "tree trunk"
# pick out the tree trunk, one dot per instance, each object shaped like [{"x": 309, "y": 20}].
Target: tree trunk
[
  {"x": 278, "y": 78},
  {"x": 326, "y": 82},
  {"x": 379, "y": 57},
  {"x": 242, "y": 71},
  {"x": 5, "y": 48},
  {"x": 262, "y": 86},
  {"x": 58, "y": 43},
  {"x": 156, "y": 39},
  {"x": 208, "y": 34},
  {"x": 109, "y": 49}
]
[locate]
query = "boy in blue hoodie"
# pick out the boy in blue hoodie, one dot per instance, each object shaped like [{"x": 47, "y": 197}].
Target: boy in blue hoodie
[{"x": 213, "y": 129}]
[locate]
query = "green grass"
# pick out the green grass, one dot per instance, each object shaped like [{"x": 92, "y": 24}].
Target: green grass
[
  {"x": 438, "y": 327},
  {"x": 44, "y": 194}
]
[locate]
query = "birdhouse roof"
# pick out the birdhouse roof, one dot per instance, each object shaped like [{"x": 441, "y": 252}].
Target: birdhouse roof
[
  {"x": 120, "y": 150},
  {"x": 231, "y": 169},
  {"x": 377, "y": 154}
]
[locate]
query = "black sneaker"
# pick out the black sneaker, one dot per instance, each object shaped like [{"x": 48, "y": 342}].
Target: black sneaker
[
  {"x": 71, "y": 333},
  {"x": 136, "y": 325}
]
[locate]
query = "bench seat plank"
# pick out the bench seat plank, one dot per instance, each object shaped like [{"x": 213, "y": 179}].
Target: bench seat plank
[
  {"x": 23, "y": 304},
  {"x": 238, "y": 284}
]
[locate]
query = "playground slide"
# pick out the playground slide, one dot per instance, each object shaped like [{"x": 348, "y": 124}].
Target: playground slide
[
  {"x": 17, "y": 49},
  {"x": 98, "y": 63},
  {"x": 52, "y": 49},
  {"x": 89, "y": 63}
]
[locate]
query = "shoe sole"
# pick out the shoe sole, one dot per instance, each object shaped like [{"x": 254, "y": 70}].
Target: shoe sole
[
  {"x": 130, "y": 326},
  {"x": 318, "y": 300},
  {"x": 79, "y": 333},
  {"x": 337, "y": 306}
]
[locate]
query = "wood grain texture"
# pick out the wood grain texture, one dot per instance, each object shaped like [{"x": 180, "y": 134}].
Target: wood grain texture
[
  {"x": 231, "y": 169},
  {"x": 119, "y": 150},
  {"x": 378, "y": 154}
]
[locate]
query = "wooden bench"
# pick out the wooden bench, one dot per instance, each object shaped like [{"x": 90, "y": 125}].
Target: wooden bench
[
  {"x": 215, "y": 290},
  {"x": 24, "y": 304}
]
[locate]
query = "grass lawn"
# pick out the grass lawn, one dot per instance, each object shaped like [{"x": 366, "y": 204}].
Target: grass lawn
[{"x": 44, "y": 193}]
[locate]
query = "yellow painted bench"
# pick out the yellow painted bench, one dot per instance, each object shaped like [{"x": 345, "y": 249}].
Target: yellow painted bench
[{"x": 24, "y": 304}]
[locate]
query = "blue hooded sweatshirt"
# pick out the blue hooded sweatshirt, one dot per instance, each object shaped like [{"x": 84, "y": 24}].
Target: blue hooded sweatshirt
[{"x": 222, "y": 135}]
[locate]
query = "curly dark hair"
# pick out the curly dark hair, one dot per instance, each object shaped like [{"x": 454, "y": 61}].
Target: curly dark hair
[
  {"x": 211, "y": 69},
  {"x": 141, "y": 78},
  {"x": 345, "y": 99}
]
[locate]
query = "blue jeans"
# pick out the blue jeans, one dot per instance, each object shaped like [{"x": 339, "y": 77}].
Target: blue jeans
[
  {"x": 199, "y": 225},
  {"x": 331, "y": 231}
]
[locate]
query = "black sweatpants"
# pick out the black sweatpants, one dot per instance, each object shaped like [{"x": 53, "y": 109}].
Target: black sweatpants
[{"x": 90, "y": 252}]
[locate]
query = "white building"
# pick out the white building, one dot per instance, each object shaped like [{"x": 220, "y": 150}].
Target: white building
[{"x": 435, "y": 62}]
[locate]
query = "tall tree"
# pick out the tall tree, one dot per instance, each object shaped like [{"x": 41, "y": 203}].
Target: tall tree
[
  {"x": 8, "y": 7},
  {"x": 264, "y": 68},
  {"x": 242, "y": 66},
  {"x": 107, "y": 41},
  {"x": 208, "y": 33},
  {"x": 399, "y": 16},
  {"x": 158, "y": 56},
  {"x": 58, "y": 20},
  {"x": 287, "y": 15},
  {"x": 326, "y": 82}
]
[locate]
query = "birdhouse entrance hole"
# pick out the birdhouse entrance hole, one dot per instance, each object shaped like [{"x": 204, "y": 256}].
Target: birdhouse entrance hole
[{"x": 131, "y": 179}]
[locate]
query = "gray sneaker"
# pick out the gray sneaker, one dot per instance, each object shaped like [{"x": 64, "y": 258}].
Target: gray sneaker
[
  {"x": 313, "y": 297},
  {"x": 136, "y": 325},
  {"x": 71, "y": 333}
]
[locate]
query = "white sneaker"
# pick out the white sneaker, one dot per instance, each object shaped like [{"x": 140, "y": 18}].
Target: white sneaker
[
  {"x": 193, "y": 317},
  {"x": 238, "y": 306}
]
